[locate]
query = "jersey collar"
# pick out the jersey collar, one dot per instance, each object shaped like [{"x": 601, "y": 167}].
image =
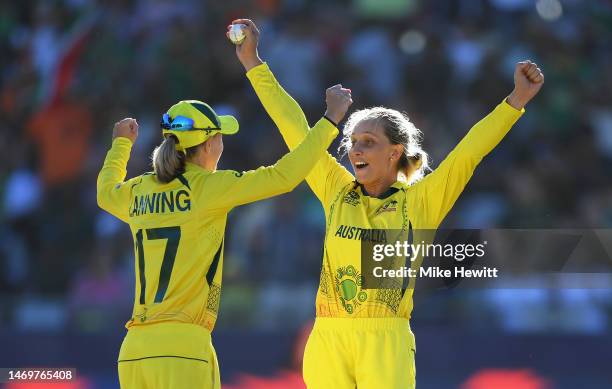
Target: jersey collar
[
  {"x": 190, "y": 166},
  {"x": 397, "y": 185}
]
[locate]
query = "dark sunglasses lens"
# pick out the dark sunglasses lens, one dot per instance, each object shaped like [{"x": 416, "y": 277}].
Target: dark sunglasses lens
[
  {"x": 165, "y": 122},
  {"x": 182, "y": 123},
  {"x": 179, "y": 123}
]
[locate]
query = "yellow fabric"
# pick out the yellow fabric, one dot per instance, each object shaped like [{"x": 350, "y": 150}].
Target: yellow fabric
[
  {"x": 171, "y": 338},
  {"x": 168, "y": 355},
  {"x": 327, "y": 176},
  {"x": 187, "y": 139},
  {"x": 365, "y": 353},
  {"x": 350, "y": 213},
  {"x": 178, "y": 228},
  {"x": 168, "y": 373}
]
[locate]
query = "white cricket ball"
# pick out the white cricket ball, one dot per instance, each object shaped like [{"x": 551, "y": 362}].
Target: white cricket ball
[{"x": 236, "y": 33}]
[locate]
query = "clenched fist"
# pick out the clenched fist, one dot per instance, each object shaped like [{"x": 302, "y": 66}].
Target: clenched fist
[
  {"x": 126, "y": 128},
  {"x": 528, "y": 80},
  {"x": 338, "y": 101}
]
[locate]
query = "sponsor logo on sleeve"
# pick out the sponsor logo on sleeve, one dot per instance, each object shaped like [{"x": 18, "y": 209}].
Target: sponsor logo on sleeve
[{"x": 391, "y": 206}]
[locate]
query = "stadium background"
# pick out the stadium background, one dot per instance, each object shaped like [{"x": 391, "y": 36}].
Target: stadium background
[{"x": 70, "y": 69}]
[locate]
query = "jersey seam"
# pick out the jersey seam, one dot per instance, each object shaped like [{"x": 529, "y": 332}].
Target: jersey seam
[{"x": 161, "y": 356}]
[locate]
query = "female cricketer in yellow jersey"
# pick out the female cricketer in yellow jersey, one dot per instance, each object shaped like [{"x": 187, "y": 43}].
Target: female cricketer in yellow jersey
[
  {"x": 362, "y": 338},
  {"x": 177, "y": 216}
]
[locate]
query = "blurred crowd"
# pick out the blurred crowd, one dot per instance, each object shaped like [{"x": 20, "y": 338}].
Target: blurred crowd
[{"x": 70, "y": 69}]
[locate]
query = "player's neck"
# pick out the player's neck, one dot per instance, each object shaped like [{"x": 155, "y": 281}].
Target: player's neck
[
  {"x": 377, "y": 188},
  {"x": 204, "y": 164}
]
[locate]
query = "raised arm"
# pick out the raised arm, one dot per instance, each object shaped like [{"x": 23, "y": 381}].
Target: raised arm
[
  {"x": 113, "y": 193},
  {"x": 328, "y": 176},
  {"x": 226, "y": 189},
  {"x": 440, "y": 189}
]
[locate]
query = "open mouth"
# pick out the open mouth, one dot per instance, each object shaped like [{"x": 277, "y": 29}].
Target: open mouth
[{"x": 360, "y": 165}]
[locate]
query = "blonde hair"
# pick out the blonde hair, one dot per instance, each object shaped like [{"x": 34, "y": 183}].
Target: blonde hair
[
  {"x": 398, "y": 128},
  {"x": 168, "y": 162}
]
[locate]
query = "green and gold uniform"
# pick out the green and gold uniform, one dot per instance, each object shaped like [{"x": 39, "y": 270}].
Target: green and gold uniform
[
  {"x": 178, "y": 230},
  {"x": 362, "y": 338}
]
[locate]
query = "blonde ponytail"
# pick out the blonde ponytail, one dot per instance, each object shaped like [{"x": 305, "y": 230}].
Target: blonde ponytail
[
  {"x": 167, "y": 161},
  {"x": 413, "y": 164}
]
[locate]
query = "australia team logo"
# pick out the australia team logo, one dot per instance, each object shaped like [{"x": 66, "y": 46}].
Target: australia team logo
[
  {"x": 348, "y": 285},
  {"x": 352, "y": 198}
]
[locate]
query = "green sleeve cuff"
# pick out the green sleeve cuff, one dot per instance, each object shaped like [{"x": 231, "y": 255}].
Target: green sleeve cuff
[
  {"x": 328, "y": 126},
  {"x": 331, "y": 121},
  {"x": 510, "y": 110}
]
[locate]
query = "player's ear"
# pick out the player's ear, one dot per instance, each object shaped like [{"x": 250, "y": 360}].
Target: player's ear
[
  {"x": 206, "y": 147},
  {"x": 396, "y": 152}
]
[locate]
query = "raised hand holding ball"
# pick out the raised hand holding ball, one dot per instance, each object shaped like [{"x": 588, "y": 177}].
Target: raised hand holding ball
[
  {"x": 236, "y": 33},
  {"x": 247, "y": 49}
]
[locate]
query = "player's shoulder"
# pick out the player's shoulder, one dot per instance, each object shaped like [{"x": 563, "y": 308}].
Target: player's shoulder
[
  {"x": 213, "y": 182},
  {"x": 144, "y": 178},
  {"x": 206, "y": 180},
  {"x": 225, "y": 174}
]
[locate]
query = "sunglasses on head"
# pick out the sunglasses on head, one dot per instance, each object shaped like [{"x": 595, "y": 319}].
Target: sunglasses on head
[{"x": 181, "y": 123}]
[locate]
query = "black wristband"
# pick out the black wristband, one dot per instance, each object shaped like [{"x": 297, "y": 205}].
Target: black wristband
[{"x": 331, "y": 121}]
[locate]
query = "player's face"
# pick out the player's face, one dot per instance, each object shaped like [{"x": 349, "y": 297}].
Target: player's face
[{"x": 370, "y": 153}]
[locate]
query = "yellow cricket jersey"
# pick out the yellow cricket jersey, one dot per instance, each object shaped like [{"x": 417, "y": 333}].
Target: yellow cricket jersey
[
  {"x": 351, "y": 214},
  {"x": 178, "y": 227}
]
